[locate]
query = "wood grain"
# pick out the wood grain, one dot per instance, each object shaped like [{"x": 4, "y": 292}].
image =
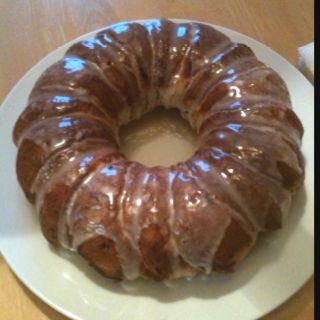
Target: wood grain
[{"x": 30, "y": 29}]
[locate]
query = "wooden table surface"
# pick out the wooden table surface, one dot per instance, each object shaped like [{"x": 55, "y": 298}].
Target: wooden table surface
[{"x": 29, "y": 29}]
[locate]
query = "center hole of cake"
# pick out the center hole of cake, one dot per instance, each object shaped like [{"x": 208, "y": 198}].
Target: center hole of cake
[{"x": 160, "y": 137}]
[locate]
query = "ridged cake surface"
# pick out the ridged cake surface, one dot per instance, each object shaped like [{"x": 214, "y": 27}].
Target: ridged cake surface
[{"x": 129, "y": 220}]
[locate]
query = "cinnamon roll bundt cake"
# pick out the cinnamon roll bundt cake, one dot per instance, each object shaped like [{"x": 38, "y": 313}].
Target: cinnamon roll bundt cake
[{"x": 129, "y": 220}]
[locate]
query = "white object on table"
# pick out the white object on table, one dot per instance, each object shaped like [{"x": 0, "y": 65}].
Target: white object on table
[{"x": 306, "y": 60}]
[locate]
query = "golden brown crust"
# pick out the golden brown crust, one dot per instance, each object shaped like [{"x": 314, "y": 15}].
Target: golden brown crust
[
  {"x": 234, "y": 246},
  {"x": 102, "y": 254},
  {"x": 155, "y": 254},
  {"x": 50, "y": 212},
  {"x": 28, "y": 166}
]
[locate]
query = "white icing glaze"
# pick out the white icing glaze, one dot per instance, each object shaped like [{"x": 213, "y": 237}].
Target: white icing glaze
[
  {"x": 130, "y": 266},
  {"x": 175, "y": 262}
]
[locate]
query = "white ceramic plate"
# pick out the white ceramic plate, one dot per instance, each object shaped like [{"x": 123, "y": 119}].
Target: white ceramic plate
[{"x": 279, "y": 265}]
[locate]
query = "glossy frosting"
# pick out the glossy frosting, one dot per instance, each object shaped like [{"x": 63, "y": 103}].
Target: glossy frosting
[{"x": 197, "y": 216}]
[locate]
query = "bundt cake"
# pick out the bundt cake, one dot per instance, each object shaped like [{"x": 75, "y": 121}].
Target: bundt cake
[{"x": 129, "y": 220}]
